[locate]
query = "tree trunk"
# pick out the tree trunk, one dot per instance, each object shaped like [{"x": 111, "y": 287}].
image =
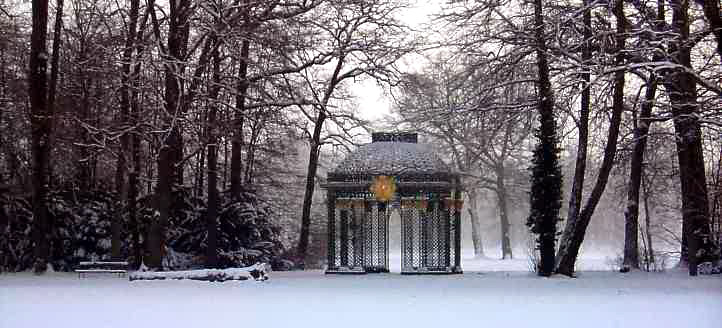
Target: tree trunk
[
  {"x": 133, "y": 192},
  {"x": 83, "y": 168},
  {"x": 545, "y": 195},
  {"x": 648, "y": 224},
  {"x": 716, "y": 214},
  {"x": 682, "y": 91},
  {"x": 7, "y": 150},
  {"x": 135, "y": 148},
  {"x": 121, "y": 198},
  {"x": 213, "y": 198},
  {"x": 650, "y": 258},
  {"x": 126, "y": 123},
  {"x": 200, "y": 170},
  {"x": 576, "y": 227},
  {"x": 169, "y": 172},
  {"x": 631, "y": 215},
  {"x": 56, "y": 249},
  {"x": 41, "y": 121},
  {"x": 714, "y": 18},
  {"x": 57, "y": 41},
  {"x": 575, "y": 197},
  {"x": 310, "y": 186},
  {"x": 225, "y": 160},
  {"x": 238, "y": 119},
  {"x": 502, "y": 196},
  {"x": 256, "y": 128},
  {"x": 475, "y": 228},
  {"x": 313, "y": 162}
]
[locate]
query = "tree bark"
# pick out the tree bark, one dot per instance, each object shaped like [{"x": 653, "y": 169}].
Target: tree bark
[
  {"x": 41, "y": 121},
  {"x": 714, "y": 18},
  {"x": 54, "y": 68},
  {"x": 475, "y": 226},
  {"x": 236, "y": 177},
  {"x": 315, "y": 144},
  {"x": 212, "y": 143},
  {"x": 6, "y": 149},
  {"x": 133, "y": 191},
  {"x": 126, "y": 123},
  {"x": 631, "y": 215},
  {"x": 200, "y": 170},
  {"x": 256, "y": 128},
  {"x": 56, "y": 248},
  {"x": 576, "y": 227},
  {"x": 310, "y": 186},
  {"x": 135, "y": 148},
  {"x": 716, "y": 214},
  {"x": 501, "y": 194},
  {"x": 170, "y": 153},
  {"x": 648, "y": 223},
  {"x": 717, "y": 201},
  {"x": 545, "y": 196},
  {"x": 84, "y": 172},
  {"x": 575, "y": 197},
  {"x": 681, "y": 87}
]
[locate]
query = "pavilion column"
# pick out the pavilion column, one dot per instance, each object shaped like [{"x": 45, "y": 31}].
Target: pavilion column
[
  {"x": 424, "y": 233},
  {"x": 457, "y": 230},
  {"x": 343, "y": 237},
  {"x": 373, "y": 240},
  {"x": 357, "y": 234},
  {"x": 331, "y": 231},
  {"x": 446, "y": 224},
  {"x": 383, "y": 233}
]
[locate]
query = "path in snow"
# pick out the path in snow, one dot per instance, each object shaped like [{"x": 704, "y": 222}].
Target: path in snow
[{"x": 310, "y": 299}]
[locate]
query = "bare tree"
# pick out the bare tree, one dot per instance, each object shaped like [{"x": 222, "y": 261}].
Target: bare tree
[
  {"x": 636, "y": 174},
  {"x": 365, "y": 39},
  {"x": 576, "y": 226},
  {"x": 125, "y": 108},
  {"x": 682, "y": 90},
  {"x": 476, "y": 237},
  {"x": 546, "y": 174},
  {"x": 480, "y": 119},
  {"x": 41, "y": 130},
  {"x": 171, "y": 152},
  {"x": 714, "y": 18},
  {"x": 212, "y": 145},
  {"x": 580, "y": 168}
]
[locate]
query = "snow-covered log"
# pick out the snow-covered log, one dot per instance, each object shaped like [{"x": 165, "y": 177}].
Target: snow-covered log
[{"x": 258, "y": 272}]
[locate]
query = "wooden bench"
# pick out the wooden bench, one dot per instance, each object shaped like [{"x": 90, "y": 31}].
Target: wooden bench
[{"x": 120, "y": 268}]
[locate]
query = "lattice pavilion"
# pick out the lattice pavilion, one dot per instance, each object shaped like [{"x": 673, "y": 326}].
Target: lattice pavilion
[{"x": 393, "y": 172}]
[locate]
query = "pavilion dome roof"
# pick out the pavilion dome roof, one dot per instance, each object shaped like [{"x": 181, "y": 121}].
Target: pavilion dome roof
[{"x": 392, "y": 154}]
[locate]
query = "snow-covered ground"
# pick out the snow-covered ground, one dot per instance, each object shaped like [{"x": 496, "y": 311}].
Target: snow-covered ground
[{"x": 492, "y": 298}]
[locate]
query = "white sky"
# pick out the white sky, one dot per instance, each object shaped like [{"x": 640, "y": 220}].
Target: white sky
[{"x": 374, "y": 104}]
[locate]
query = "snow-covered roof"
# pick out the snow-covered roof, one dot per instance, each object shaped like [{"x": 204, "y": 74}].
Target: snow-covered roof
[{"x": 394, "y": 155}]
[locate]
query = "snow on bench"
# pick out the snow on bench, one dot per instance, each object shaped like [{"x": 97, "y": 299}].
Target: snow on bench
[
  {"x": 258, "y": 272},
  {"x": 115, "y": 267}
]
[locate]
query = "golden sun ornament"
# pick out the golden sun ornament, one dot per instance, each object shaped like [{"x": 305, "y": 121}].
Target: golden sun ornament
[{"x": 383, "y": 188}]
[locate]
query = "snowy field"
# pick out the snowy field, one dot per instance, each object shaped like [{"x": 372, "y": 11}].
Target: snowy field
[{"x": 492, "y": 298}]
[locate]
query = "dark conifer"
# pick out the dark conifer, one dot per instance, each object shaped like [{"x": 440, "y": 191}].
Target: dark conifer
[{"x": 546, "y": 176}]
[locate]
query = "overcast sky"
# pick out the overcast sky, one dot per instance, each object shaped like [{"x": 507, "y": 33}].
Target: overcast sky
[{"x": 373, "y": 103}]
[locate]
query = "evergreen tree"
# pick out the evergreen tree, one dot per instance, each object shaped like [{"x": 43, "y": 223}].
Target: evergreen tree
[
  {"x": 546, "y": 175},
  {"x": 545, "y": 195}
]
